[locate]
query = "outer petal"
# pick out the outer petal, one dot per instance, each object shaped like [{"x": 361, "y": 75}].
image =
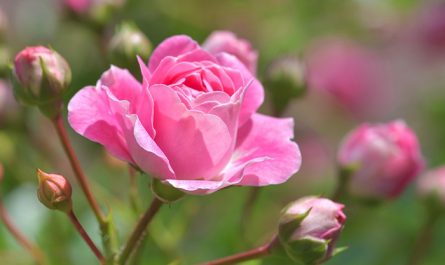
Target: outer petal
[
  {"x": 173, "y": 46},
  {"x": 255, "y": 94},
  {"x": 198, "y": 145},
  {"x": 89, "y": 115},
  {"x": 264, "y": 154}
]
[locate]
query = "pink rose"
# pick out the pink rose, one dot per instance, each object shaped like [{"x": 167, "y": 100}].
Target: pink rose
[
  {"x": 349, "y": 73},
  {"x": 431, "y": 184},
  {"x": 191, "y": 123},
  {"x": 226, "y": 41},
  {"x": 317, "y": 223},
  {"x": 387, "y": 157}
]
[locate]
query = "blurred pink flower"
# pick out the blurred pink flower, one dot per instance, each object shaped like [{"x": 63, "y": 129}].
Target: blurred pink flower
[
  {"x": 226, "y": 41},
  {"x": 349, "y": 73},
  {"x": 386, "y": 157},
  {"x": 79, "y": 6},
  {"x": 191, "y": 123},
  {"x": 430, "y": 27},
  {"x": 432, "y": 183}
]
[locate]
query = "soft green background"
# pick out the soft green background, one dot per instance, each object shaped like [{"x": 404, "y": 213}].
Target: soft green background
[{"x": 202, "y": 228}]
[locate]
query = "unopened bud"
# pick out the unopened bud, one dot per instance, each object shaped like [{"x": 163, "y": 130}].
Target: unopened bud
[
  {"x": 309, "y": 228},
  {"x": 54, "y": 191},
  {"x": 285, "y": 79},
  {"x": 42, "y": 76},
  {"x": 127, "y": 43},
  {"x": 165, "y": 192}
]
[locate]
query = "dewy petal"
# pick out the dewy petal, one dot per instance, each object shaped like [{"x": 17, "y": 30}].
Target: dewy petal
[
  {"x": 89, "y": 115},
  {"x": 255, "y": 94},
  {"x": 173, "y": 46},
  {"x": 264, "y": 153},
  {"x": 198, "y": 145}
]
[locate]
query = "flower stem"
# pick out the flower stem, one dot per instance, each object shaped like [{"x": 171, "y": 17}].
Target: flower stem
[
  {"x": 255, "y": 253},
  {"x": 423, "y": 240},
  {"x": 139, "y": 231},
  {"x": 80, "y": 175},
  {"x": 134, "y": 193},
  {"x": 340, "y": 192},
  {"x": 35, "y": 252},
  {"x": 85, "y": 236}
]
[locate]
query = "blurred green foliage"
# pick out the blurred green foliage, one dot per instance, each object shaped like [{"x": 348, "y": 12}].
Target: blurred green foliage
[{"x": 195, "y": 228}]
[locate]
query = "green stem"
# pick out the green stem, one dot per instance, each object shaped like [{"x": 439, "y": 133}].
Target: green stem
[
  {"x": 423, "y": 240},
  {"x": 246, "y": 215},
  {"x": 139, "y": 231},
  {"x": 255, "y": 253},
  {"x": 341, "y": 190}
]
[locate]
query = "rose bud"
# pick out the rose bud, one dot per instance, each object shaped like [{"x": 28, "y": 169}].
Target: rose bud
[
  {"x": 42, "y": 76},
  {"x": 285, "y": 80},
  {"x": 431, "y": 187},
  {"x": 127, "y": 43},
  {"x": 385, "y": 158},
  {"x": 226, "y": 41},
  {"x": 309, "y": 228},
  {"x": 54, "y": 191}
]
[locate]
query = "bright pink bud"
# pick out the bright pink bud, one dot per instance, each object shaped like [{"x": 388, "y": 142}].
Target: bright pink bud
[
  {"x": 313, "y": 224},
  {"x": 54, "y": 191},
  {"x": 385, "y": 158},
  {"x": 431, "y": 185},
  {"x": 226, "y": 41}
]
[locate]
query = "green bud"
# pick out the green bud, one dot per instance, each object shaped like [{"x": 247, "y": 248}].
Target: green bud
[
  {"x": 127, "y": 43},
  {"x": 285, "y": 80}
]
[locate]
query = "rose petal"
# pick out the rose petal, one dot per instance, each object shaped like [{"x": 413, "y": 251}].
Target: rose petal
[
  {"x": 264, "y": 154},
  {"x": 173, "y": 46}
]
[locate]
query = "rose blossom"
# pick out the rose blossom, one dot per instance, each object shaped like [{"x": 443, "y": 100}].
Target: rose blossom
[
  {"x": 316, "y": 222},
  {"x": 432, "y": 183},
  {"x": 226, "y": 41},
  {"x": 191, "y": 123},
  {"x": 386, "y": 157}
]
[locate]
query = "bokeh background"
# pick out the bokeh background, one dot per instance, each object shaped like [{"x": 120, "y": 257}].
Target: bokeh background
[{"x": 405, "y": 39}]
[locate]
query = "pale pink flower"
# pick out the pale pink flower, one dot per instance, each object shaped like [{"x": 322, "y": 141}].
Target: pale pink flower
[
  {"x": 191, "y": 123},
  {"x": 386, "y": 157},
  {"x": 351, "y": 74},
  {"x": 226, "y": 41}
]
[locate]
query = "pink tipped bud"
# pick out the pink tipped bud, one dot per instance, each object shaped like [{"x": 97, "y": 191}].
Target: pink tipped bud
[
  {"x": 431, "y": 187},
  {"x": 226, "y": 41},
  {"x": 54, "y": 191},
  {"x": 42, "y": 74},
  {"x": 385, "y": 158},
  {"x": 309, "y": 228}
]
